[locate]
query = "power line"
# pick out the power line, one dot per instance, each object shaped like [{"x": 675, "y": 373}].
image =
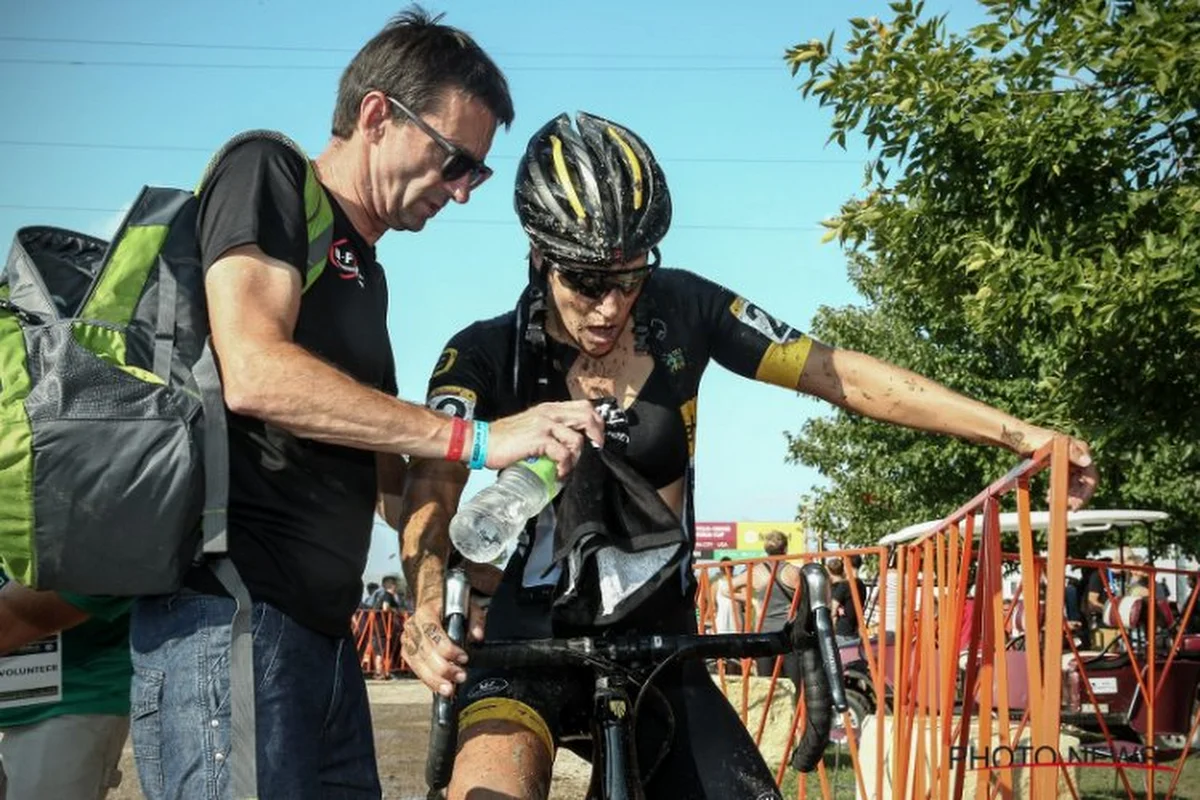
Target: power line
[
  {"x": 323, "y": 49},
  {"x": 64, "y": 62},
  {"x": 107, "y": 146},
  {"x": 177, "y": 45},
  {"x": 452, "y": 220},
  {"x": 491, "y": 157}
]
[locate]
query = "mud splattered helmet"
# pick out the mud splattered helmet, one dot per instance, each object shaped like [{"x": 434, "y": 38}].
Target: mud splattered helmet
[{"x": 592, "y": 195}]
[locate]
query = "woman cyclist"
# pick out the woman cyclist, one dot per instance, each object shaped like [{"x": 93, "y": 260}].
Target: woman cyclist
[{"x": 601, "y": 318}]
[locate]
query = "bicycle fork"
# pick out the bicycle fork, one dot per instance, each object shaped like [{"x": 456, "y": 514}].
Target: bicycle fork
[{"x": 613, "y": 758}]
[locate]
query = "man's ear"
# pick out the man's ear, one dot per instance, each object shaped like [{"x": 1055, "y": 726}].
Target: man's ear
[{"x": 373, "y": 111}]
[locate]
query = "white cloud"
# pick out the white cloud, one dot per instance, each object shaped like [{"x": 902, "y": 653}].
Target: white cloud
[{"x": 106, "y": 228}]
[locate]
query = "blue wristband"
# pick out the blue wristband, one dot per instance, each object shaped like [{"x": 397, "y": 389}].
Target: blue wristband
[{"x": 479, "y": 445}]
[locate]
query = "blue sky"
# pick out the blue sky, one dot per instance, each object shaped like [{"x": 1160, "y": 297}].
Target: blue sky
[{"x": 703, "y": 82}]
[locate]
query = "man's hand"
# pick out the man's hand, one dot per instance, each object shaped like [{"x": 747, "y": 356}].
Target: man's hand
[
  {"x": 556, "y": 430},
  {"x": 428, "y": 651},
  {"x": 1084, "y": 477}
]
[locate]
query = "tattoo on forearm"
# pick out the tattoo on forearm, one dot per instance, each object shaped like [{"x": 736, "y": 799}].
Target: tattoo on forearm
[
  {"x": 1014, "y": 439},
  {"x": 431, "y": 633}
]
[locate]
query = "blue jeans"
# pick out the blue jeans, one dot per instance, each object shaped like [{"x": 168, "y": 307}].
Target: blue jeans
[{"x": 313, "y": 719}]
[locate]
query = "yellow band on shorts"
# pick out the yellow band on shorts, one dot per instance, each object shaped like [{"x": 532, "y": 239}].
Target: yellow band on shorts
[{"x": 508, "y": 710}]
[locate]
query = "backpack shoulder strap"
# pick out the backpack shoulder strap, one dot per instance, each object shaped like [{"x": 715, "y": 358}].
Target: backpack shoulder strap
[{"x": 318, "y": 212}]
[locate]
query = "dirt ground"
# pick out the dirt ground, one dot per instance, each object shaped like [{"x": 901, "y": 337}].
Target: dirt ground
[{"x": 400, "y": 711}]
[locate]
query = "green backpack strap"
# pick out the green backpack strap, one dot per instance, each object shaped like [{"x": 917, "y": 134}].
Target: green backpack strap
[
  {"x": 242, "y": 713},
  {"x": 317, "y": 210}
]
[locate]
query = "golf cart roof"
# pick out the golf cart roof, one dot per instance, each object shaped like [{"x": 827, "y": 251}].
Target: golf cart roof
[{"x": 1092, "y": 521}]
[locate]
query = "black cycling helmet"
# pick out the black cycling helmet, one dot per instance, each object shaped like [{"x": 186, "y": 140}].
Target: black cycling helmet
[{"x": 593, "y": 196}]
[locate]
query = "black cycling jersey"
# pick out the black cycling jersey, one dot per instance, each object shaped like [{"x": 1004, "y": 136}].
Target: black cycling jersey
[
  {"x": 300, "y": 511},
  {"x": 501, "y": 366},
  {"x": 684, "y": 321}
]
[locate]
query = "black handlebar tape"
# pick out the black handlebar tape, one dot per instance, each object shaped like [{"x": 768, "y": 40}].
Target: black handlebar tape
[
  {"x": 820, "y": 600},
  {"x": 831, "y": 658},
  {"x": 443, "y": 723},
  {"x": 815, "y": 737}
]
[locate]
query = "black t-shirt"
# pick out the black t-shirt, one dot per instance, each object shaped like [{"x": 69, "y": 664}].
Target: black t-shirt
[
  {"x": 300, "y": 511},
  {"x": 847, "y": 622},
  {"x": 689, "y": 321},
  {"x": 1095, "y": 585}
]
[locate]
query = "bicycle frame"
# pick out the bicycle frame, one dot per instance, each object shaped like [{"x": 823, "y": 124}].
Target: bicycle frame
[
  {"x": 614, "y": 762},
  {"x": 616, "y": 657}
]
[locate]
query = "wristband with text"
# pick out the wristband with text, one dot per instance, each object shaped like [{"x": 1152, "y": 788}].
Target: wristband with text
[{"x": 479, "y": 446}]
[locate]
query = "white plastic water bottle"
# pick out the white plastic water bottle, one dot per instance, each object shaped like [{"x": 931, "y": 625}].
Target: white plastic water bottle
[{"x": 493, "y": 519}]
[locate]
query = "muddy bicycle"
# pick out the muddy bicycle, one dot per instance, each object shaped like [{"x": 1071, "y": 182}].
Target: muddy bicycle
[{"x": 625, "y": 667}]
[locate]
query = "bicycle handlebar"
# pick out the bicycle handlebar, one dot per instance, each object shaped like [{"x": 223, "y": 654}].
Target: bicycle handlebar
[
  {"x": 629, "y": 649},
  {"x": 810, "y": 635},
  {"x": 443, "y": 724}
]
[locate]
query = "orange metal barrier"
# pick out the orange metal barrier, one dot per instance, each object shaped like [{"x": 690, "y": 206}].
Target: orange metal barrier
[
  {"x": 750, "y": 620},
  {"x": 377, "y": 640},
  {"x": 966, "y": 686}
]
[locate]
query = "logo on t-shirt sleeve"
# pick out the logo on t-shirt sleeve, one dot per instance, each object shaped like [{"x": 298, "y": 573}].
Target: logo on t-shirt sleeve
[
  {"x": 456, "y": 401},
  {"x": 346, "y": 261}
]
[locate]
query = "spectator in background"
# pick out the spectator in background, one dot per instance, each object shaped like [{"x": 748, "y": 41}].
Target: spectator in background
[
  {"x": 67, "y": 750},
  {"x": 1137, "y": 583},
  {"x": 1072, "y": 605},
  {"x": 1162, "y": 591},
  {"x": 385, "y": 627},
  {"x": 1095, "y": 595},
  {"x": 1193, "y": 622},
  {"x": 774, "y": 586},
  {"x": 369, "y": 595},
  {"x": 385, "y": 597},
  {"x": 845, "y": 614},
  {"x": 727, "y": 619}
]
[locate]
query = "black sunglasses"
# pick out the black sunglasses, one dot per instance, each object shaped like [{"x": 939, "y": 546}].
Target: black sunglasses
[
  {"x": 458, "y": 161},
  {"x": 596, "y": 283}
]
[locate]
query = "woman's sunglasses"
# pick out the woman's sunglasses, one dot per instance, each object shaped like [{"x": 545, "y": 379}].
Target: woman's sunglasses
[
  {"x": 596, "y": 283},
  {"x": 458, "y": 161}
]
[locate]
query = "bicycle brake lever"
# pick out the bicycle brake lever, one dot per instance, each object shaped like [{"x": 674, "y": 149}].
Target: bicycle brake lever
[
  {"x": 457, "y": 597},
  {"x": 816, "y": 579},
  {"x": 443, "y": 728}
]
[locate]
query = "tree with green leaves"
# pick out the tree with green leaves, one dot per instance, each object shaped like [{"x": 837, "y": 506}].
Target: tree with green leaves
[{"x": 1028, "y": 234}]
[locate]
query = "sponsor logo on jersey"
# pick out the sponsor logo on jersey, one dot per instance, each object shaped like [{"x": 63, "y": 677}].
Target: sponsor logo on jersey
[
  {"x": 445, "y": 362},
  {"x": 675, "y": 360},
  {"x": 346, "y": 261},
  {"x": 456, "y": 401},
  {"x": 658, "y": 329},
  {"x": 754, "y": 317}
]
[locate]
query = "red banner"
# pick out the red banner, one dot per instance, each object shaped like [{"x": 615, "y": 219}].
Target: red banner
[{"x": 715, "y": 535}]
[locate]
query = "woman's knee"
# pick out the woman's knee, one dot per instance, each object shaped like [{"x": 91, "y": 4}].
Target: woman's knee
[{"x": 501, "y": 759}]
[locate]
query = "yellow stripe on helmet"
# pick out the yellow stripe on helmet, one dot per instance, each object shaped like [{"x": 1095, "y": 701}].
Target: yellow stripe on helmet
[
  {"x": 634, "y": 165},
  {"x": 564, "y": 177}
]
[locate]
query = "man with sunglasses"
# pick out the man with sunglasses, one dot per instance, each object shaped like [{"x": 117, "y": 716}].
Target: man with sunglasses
[
  {"x": 600, "y": 318},
  {"x": 316, "y": 433}
]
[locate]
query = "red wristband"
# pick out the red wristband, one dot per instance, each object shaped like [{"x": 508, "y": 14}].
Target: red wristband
[{"x": 458, "y": 437}]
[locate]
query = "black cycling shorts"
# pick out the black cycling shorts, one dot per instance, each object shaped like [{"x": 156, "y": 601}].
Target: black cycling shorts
[{"x": 700, "y": 749}]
